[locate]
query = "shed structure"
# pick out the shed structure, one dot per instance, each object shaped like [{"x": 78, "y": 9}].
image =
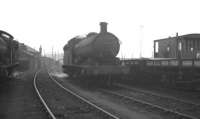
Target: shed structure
[{"x": 184, "y": 47}]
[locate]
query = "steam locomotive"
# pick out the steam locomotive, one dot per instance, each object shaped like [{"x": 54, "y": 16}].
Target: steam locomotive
[
  {"x": 15, "y": 56},
  {"x": 8, "y": 49},
  {"x": 94, "y": 56}
]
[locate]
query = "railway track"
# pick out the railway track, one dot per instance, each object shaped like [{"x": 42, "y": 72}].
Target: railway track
[
  {"x": 48, "y": 110},
  {"x": 99, "y": 109},
  {"x": 93, "y": 111},
  {"x": 196, "y": 104},
  {"x": 162, "y": 104}
]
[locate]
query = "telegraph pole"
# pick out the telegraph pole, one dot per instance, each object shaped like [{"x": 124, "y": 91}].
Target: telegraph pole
[
  {"x": 179, "y": 48},
  {"x": 52, "y": 52},
  {"x": 141, "y": 39}
]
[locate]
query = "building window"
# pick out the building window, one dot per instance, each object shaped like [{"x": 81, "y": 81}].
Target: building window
[
  {"x": 193, "y": 44},
  {"x": 179, "y": 46},
  {"x": 168, "y": 48},
  {"x": 192, "y": 49},
  {"x": 156, "y": 47},
  {"x": 189, "y": 45}
]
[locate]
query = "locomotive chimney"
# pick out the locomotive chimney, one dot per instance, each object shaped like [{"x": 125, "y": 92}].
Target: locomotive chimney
[{"x": 103, "y": 26}]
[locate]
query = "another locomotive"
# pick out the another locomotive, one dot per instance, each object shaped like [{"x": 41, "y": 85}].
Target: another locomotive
[
  {"x": 8, "y": 49},
  {"x": 94, "y": 56},
  {"x": 15, "y": 56}
]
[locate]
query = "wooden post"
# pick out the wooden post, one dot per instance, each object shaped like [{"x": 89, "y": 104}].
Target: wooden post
[{"x": 179, "y": 48}]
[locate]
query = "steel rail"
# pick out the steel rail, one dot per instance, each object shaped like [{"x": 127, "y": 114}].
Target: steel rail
[
  {"x": 156, "y": 94},
  {"x": 150, "y": 104},
  {"x": 84, "y": 100},
  {"x": 41, "y": 99}
]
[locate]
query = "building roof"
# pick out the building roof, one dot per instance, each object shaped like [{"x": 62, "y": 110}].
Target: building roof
[{"x": 193, "y": 35}]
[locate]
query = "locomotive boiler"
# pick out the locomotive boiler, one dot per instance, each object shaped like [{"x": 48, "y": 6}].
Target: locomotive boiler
[
  {"x": 93, "y": 55},
  {"x": 95, "y": 47},
  {"x": 100, "y": 45}
]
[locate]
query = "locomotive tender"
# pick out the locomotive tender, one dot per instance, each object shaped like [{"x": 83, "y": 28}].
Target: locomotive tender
[
  {"x": 94, "y": 56},
  {"x": 15, "y": 56}
]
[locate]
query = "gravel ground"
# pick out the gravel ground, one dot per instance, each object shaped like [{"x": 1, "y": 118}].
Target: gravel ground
[
  {"x": 116, "y": 107},
  {"x": 168, "y": 103},
  {"x": 142, "y": 107},
  {"x": 193, "y": 96},
  {"x": 128, "y": 110},
  {"x": 18, "y": 99},
  {"x": 62, "y": 104}
]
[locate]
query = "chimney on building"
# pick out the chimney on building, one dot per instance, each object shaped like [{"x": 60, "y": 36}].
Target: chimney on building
[
  {"x": 103, "y": 26},
  {"x": 176, "y": 34},
  {"x": 40, "y": 50}
]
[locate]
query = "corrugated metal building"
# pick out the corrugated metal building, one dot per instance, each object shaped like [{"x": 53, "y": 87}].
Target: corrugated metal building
[{"x": 185, "y": 47}]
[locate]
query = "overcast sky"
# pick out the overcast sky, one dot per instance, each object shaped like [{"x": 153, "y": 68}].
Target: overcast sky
[{"x": 51, "y": 23}]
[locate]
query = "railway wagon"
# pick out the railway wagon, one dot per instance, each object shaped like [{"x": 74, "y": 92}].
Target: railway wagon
[
  {"x": 171, "y": 72},
  {"x": 176, "y": 63},
  {"x": 94, "y": 56}
]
